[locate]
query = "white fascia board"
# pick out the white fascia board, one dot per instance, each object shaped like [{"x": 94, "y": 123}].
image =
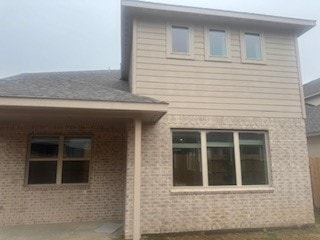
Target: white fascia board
[
  {"x": 217, "y": 13},
  {"x": 81, "y": 104}
]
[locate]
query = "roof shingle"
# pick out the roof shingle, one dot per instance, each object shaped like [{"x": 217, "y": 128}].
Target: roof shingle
[
  {"x": 313, "y": 119},
  {"x": 102, "y": 85},
  {"x": 311, "y": 88}
]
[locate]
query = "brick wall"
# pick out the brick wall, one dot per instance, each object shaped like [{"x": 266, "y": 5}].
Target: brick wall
[
  {"x": 288, "y": 204},
  {"x": 102, "y": 199}
]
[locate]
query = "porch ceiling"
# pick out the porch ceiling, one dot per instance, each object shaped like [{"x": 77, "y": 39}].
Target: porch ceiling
[{"x": 56, "y": 109}]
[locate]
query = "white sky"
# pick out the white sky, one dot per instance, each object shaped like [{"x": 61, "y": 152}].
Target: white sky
[{"x": 64, "y": 35}]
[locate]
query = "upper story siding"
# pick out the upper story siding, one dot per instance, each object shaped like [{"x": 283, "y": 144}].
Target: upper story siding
[{"x": 200, "y": 87}]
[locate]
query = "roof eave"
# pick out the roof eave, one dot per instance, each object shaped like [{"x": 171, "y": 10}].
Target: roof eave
[
  {"x": 149, "y": 112},
  {"x": 217, "y": 13},
  {"x": 313, "y": 134},
  {"x": 312, "y": 95}
]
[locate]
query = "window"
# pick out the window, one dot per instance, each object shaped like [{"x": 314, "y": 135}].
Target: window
[
  {"x": 217, "y": 44},
  {"x": 252, "y": 45},
  {"x": 187, "y": 159},
  {"x": 219, "y": 158},
  {"x": 59, "y": 160},
  {"x": 179, "y": 41},
  {"x": 253, "y": 158}
]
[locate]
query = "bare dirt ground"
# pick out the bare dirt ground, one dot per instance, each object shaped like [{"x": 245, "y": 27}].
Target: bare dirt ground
[{"x": 307, "y": 233}]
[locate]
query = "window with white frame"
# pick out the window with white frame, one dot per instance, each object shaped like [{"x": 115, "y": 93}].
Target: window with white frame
[
  {"x": 58, "y": 160},
  {"x": 217, "y": 44},
  {"x": 219, "y": 158},
  {"x": 252, "y": 45},
  {"x": 179, "y": 41}
]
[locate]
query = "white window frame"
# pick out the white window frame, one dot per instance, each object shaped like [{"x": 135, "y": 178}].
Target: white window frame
[
  {"x": 244, "y": 58},
  {"x": 60, "y": 159},
  {"x": 204, "y": 163},
  {"x": 170, "y": 53},
  {"x": 208, "y": 56}
]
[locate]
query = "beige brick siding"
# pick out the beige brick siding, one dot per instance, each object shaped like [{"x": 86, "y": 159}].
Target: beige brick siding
[
  {"x": 103, "y": 198},
  {"x": 290, "y": 203}
]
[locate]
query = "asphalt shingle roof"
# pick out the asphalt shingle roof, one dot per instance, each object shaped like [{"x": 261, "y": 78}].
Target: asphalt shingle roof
[
  {"x": 312, "y": 88},
  {"x": 102, "y": 85},
  {"x": 313, "y": 119}
]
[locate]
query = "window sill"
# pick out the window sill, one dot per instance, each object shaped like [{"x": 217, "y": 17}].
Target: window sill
[
  {"x": 49, "y": 187},
  {"x": 208, "y": 190},
  {"x": 218, "y": 59},
  {"x": 252, "y": 61},
  {"x": 180, "y": 56}
]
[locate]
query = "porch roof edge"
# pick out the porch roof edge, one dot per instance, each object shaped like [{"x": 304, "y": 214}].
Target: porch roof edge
[{"x": 150, "y": 112}]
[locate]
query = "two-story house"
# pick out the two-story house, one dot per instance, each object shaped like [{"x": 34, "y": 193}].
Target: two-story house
[
  {"x": 312, "y": 101},
  {"x": 202, "y": 129}
]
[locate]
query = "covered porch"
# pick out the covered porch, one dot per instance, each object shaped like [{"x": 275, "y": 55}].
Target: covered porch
[{"x": 112, "y": 189}]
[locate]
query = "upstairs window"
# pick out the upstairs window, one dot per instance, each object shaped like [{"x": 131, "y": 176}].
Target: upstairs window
[
  {"x": 252, "y": 45},
  {"x": 58, "y": 160},
  {"x": 217, "y": 44},
  {"x": 179, "y": 41}
]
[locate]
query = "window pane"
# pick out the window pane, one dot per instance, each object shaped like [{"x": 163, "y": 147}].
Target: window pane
[
  {"x": 187, "y": 159},
  {"x": 75, "y": 172},
  {"x": 218, "y": 46},
  {"x": 220, "y": 154},
  {"x": 180, "y": 39},
  {"x": 253, "y": 159},
  {"x": 42, "y": 172},
  {"x": 253, "y": 46},
  {"x": 78, "y": 147},
  {"x": 44, "y": 147}
]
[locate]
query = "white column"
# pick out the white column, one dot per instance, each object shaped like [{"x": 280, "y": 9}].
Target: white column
[
  {"x": 137, "y": 179},
  {"x": 237, "y": 158},
  {"x": 204, "y": 159}
]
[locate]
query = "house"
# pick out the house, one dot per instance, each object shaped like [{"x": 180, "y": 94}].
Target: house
[
  {"x": 202, "y": 129},
  {"x": 312, "y": 100}
]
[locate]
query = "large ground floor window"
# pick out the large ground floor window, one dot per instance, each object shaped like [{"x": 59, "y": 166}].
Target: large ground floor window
[
  {"x": 219, "y": 158},
  {"x": 58, "y": 159}
]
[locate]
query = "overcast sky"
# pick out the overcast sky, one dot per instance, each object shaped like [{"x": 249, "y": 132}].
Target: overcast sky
[{"x": 65, "y": 35}]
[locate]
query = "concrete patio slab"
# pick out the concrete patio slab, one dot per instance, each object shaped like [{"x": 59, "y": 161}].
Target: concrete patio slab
[
  {"x": 109, "y": 227},
  {"x": 60, "y": 231}
]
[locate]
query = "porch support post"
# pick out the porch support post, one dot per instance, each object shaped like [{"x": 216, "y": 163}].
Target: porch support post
[{"x": 137, "y": 179}]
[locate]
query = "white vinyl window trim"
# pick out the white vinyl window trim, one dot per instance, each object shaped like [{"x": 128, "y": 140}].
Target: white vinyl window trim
[
  {"x": 169, "y": 43},
  {"x": 204, "y": 165},
  {"x": 244, "y": 58},
  {"x": 207, "y": 41},
  {"x": 59, "y": 159}
]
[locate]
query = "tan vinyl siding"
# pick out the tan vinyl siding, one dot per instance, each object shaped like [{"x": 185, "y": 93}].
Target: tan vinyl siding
[{"x": 199, "y": 87}]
